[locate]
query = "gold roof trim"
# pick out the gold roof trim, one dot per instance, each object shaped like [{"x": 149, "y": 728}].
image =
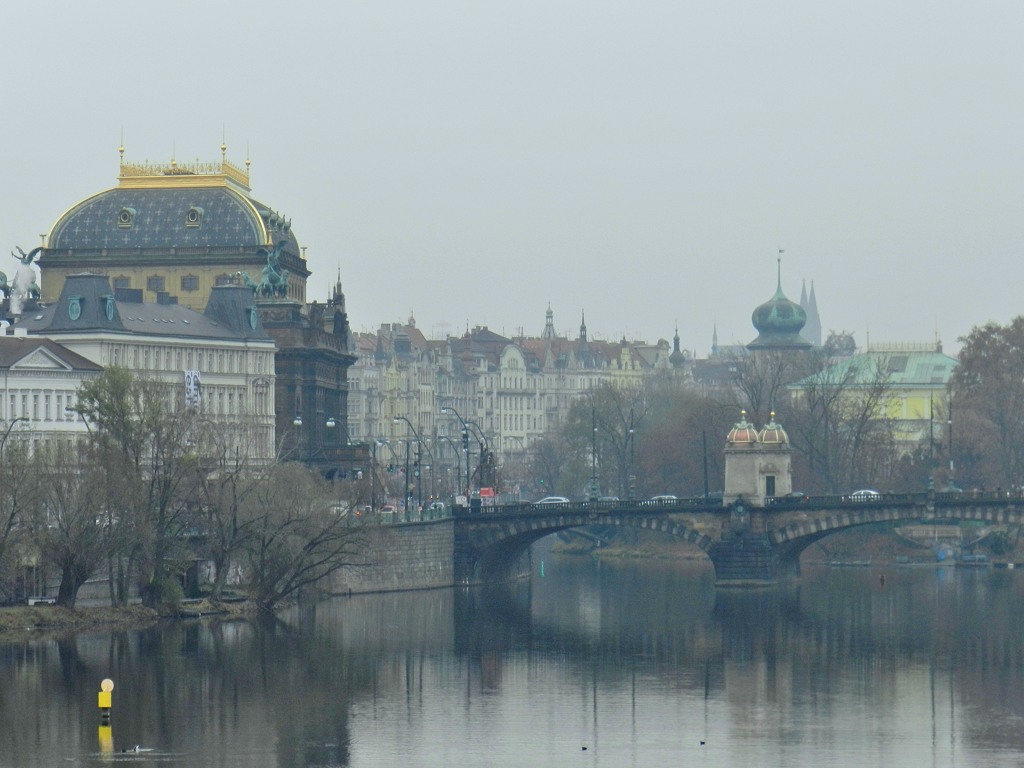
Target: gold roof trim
[{"x": 175, "y": 174}]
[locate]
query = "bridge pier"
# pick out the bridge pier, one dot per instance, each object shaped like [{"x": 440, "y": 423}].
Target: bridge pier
[
  {"x": 745, "y": 555},
  {"x": 750, "y": 559}
]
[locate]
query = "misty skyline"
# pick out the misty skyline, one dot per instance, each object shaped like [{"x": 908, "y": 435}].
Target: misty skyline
[{"x": 471, "y": 163}]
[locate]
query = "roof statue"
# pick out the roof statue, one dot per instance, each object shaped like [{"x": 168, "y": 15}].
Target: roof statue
[
  {"x": 24, "y": 286},
  {"x": 273, "y": 277}
]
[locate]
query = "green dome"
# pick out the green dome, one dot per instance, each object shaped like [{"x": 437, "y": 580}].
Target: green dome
[{"x": 778, "y": 322}]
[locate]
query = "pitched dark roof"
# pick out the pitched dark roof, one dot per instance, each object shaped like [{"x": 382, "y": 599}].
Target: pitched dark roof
[
  {"x": 14, "y": 349},
  {"x": 228, "y": 314}
]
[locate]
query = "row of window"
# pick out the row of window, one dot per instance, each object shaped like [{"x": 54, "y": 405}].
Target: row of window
[
  {"x": 163, "y": 358},
  {"x": 41, "y": 405},
  {"x": 157, "y": 283},
  {"x": 231, "y": 401},
  {"x": 126, "y": 217},
  {"x": 511, "y": 422}
]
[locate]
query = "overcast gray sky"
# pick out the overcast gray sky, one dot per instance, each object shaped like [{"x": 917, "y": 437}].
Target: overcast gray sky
[{"x": 643, "y": 161}]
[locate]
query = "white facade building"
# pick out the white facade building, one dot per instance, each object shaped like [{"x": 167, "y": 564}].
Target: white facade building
[{"x": 163, "y": 342}]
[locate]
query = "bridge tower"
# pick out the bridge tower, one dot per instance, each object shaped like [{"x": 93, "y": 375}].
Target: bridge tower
[{"x": 758, "y": 466}]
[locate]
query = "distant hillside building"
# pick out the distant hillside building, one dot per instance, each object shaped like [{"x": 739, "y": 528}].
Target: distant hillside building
[
  {"x": 514, "y": 389},
  {"x": 916, "y": 378}
]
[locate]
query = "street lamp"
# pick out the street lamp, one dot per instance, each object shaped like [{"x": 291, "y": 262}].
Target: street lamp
[
  {"x": 69, "y": 410},
  {"x": 630, "y": 476},
  {"x": 7, "y": 432},
  {"x": 465, "y": 445},
  {"x": 593, "y": 454},
  {"x": 458, "y": 461},
  {"x": 481, "y": 441},
  {"x": 419, "y": 484},
  {"x": 373, "y": 476}
]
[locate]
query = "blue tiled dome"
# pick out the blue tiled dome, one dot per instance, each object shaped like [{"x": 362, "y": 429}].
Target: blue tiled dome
[{"x": 154, "y": 218}]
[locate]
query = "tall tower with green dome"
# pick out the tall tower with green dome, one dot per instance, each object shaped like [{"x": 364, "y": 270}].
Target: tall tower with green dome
[{"x": 778, "y": 322}]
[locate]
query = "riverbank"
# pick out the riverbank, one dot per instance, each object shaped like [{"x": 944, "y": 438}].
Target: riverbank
[{"x": 52, "y": 619}]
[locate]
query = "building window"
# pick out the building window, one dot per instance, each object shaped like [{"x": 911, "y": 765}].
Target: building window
[
  {"x": 125, "y": 218},
  {"x": 122, "y": 282},
  {"x": 190, "y": 283},
  {"x": 154, "y": 283},
  {"x": 223, "y": 280}
]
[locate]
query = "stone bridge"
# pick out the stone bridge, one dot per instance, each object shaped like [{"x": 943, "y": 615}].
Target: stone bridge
[{"x": 746, "y": 544}]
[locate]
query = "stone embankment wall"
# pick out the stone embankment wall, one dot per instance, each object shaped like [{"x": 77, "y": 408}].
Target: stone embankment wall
[{"x": 403, "y": 556}]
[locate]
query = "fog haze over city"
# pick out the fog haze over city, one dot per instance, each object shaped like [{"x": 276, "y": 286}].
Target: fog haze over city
[{"x": 472, "y": 163}]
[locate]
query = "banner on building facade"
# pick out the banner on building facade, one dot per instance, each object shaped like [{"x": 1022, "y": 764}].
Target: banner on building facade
[{"x": 192, "y": 393}]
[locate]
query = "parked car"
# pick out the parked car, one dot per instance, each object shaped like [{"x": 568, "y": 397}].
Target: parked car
[
  {"x": 865, "y": 494},
  {"x": 665, "y": 498},
  {"x": 553, "y": 500},
  {"x": 790, "y": 499}
]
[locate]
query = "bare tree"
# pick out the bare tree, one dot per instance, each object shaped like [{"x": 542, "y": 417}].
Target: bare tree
[
  {"x": 19, "y": 497},
  {"x": 989, "y": 388},
  {"x": 839, "y": 424},
  {"x": 762, "y": 378},
  {"x": 72, "y": 531},
  {"x": 147, "y": 444},
  {"x": 297, "y": 538}
]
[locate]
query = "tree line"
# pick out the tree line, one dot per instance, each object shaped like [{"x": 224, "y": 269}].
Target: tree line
[
  {"x": 668, "y": 435},
  {"x": 151, "y": 490}
]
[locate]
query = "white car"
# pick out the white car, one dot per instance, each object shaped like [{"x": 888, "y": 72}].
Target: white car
[
  {"x": 665, "y": 498},
  {"x": 553, "y": 500},
  {"x": 865, "y": 494}
]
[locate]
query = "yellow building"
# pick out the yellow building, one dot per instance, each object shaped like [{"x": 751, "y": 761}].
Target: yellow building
[{"x": 914, "y": 377}]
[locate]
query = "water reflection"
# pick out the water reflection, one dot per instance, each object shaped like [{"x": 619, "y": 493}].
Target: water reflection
[{"x": 638, "y": 662}]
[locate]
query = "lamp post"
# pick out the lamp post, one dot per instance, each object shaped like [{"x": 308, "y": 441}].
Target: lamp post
[
  {"x": 949, "y": 425},
  {"x": 70, "y": 409},
  {"x": 425, "y": 443},
  {"x": 7, "y": 432},
  {"x": 630, "y": 476},
  {"x": 373, "y": 476},
  {"x": 593, "y": 454},
  {"x": 394, "y": 456},
  {"x": 465, "y": 445},
  {"x": 458, "y": 461},
  {"x": 419, "y": 486},
  {"x": 520, "y": 466},
  {"x": 329, "y": 423},
  {"x": 481, "y": 441}
]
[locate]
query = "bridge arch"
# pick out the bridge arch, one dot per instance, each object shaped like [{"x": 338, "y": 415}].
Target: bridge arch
[
  {"x": 746, "y": 544},
  {"x": 795, "y": 536},
  {"x": 493, "y": 547}
]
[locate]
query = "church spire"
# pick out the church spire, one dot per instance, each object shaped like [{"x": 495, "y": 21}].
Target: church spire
[
  {"x": 549, "y": 325},
  {"x": 812, "y": 330}
]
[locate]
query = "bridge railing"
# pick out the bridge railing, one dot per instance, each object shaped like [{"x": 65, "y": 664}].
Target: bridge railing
[{"x": 699, "y": 503}]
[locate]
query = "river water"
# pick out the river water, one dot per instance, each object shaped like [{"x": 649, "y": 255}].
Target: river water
[{"x": 625, "y": 663}]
